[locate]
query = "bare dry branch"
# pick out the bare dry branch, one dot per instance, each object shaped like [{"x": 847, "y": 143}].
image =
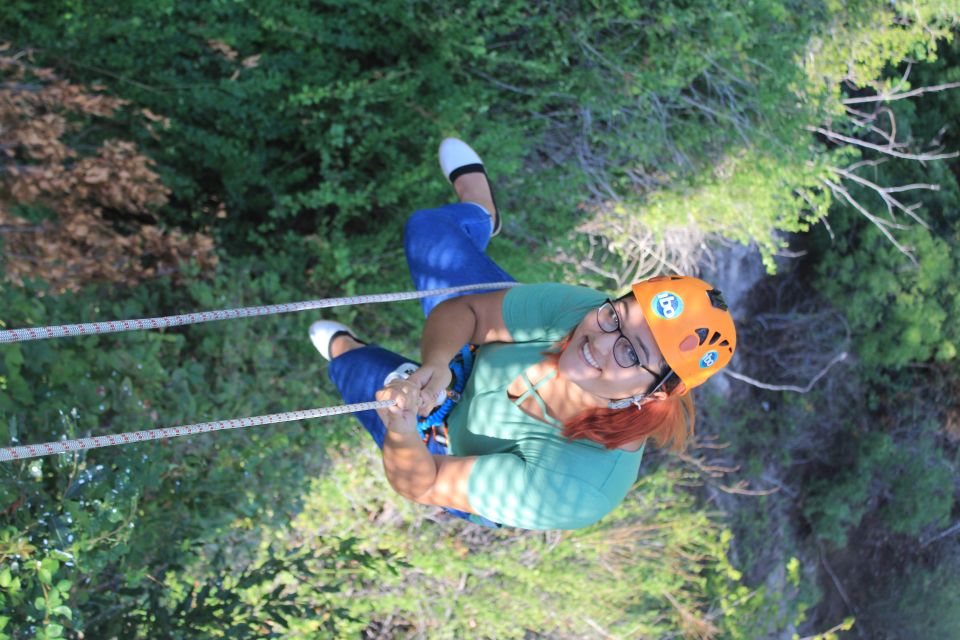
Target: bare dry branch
[
  {"x": 741, "y": 489},
  {"x": 596, "y": 627},
  {"x": 833, "y": 135},
  {"x": 786, "y": 387},
  {"x": 883, "y": 225},
  {"x": 705, "y": 468},
  {"x": 692, "y": 626},
  {"x": 737, "y": 124},
  {"x": 889, "y": 136},
  {"x": 623, "y": 249},
  {"x": 884, "y": 192},
  {"x": 873, "y": 162},
  {"x": 839, "y": 586},
  {"x": 887, "y": 97},
  {"x": 949, "y": 531}
]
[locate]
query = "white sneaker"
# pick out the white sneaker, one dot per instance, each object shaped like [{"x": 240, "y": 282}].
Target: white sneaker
[
  {"x": 322, "y": 333},
  {"x": 458, "y": 158},
  {"x": 456, "y": 155}
]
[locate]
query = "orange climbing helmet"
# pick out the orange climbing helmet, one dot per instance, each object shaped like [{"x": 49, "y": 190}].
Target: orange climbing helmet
[{"x": 691, "y": 324}]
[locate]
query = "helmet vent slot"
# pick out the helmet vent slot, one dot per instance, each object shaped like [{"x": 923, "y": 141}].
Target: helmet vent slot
[
  {"x": 716, "y": 299},
  {"x": 715, "y": 337},
  {"x": 702, "y": 334},
  {"x": 725, "y": 343}
]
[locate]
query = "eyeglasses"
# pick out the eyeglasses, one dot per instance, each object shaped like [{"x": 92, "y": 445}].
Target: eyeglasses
[{"x": 623, "y": 351}]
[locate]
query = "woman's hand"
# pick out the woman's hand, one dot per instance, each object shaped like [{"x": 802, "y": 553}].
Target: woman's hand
[
  {"x": 403, "y": 415},
  {"x": 432, "y": 380}
]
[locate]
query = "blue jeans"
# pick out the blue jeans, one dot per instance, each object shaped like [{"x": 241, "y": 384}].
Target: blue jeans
[{"x": 445, "y": 248}]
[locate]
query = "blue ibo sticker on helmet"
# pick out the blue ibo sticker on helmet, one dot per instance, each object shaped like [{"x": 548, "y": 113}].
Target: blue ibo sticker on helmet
[
  {"x": 709, "y": 360},
  {"x": 667, "y": 305}
]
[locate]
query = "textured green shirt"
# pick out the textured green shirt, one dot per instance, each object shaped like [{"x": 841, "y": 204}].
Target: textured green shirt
[{"x": 527, "y": 474}]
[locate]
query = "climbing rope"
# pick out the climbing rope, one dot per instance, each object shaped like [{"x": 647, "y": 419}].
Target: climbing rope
[
  {"x": 116, "y": 326},
  {"x": 67, "y": 446},
  {"x": 22, "y": 452}
]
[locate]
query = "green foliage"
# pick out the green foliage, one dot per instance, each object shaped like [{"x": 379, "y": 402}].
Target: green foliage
[
  {"x": 861, "y": 47},
  {"x": 314, "y": 125},
  {"x": 737, "y": 160},
  {"x": 837, "y": 501},
  {"x": 656, "y": 564},
  {"x": 906, "y": 481},
  {"x": 901, "y": 312},
  {"x": 919, "y": 493},
  {"x": 263, "y": 598},
  {"x": 298, "y": 116},
  {"x": 921, "y": 603},
  {"x": 109, "y": 519},
  {"x": 312, "y": 117}
]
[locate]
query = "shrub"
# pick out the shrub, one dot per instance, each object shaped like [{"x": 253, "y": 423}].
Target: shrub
[
  {"x": 89, "y": 537},
  {"x": 89, "y": 209}
]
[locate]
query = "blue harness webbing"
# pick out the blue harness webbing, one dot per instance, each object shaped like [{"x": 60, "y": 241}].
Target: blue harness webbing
[{"x": 435, "y": 425}]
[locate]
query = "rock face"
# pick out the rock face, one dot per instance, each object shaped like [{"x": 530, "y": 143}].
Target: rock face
[{"x": 735, "y": 270}]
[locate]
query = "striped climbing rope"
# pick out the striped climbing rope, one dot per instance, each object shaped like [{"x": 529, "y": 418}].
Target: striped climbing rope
[
  {"x": 22, "y": 452},
  {"x": 117, "y": 326}
]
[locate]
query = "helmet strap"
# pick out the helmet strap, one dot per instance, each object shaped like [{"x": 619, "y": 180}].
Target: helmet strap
[
  {"x": 638, "y": 399},
  {"x": 623, "y": 403}
]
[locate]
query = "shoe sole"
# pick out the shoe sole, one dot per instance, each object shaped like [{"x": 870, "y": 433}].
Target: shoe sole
[{"x": 478, "y": 168}]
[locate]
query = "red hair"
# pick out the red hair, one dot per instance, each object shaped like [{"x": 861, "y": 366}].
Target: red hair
[{"x": 669, "y": 422}]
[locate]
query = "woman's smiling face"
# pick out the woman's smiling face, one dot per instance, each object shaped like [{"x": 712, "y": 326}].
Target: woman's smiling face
[{"x": 589, "y": 360}]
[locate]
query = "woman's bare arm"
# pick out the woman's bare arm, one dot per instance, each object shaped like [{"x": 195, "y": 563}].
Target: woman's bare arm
[
  {"x": 449, "y": 488},
  {"x": 419, "y": 476},
  {"x": 476, "y": 318},
  {"x": 412, "y": 470}
]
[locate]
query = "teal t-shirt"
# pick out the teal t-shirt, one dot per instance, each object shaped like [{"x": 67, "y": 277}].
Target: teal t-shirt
[{"x": 527, "y": 474}]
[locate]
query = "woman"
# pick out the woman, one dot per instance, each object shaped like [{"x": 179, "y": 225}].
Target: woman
[{"x": 566, "y": 384}]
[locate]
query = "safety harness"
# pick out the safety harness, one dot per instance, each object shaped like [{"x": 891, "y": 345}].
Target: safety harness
[{"x": 434, "y": 426}]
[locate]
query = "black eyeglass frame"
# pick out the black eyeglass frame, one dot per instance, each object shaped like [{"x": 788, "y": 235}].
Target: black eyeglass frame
[{"x": 660, "y": 378}]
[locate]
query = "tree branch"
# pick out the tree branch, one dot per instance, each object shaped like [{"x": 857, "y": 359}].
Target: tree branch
[
  {"x": 886, "y": 150},
  {"x": 881, "y": 224},
  {"x": 887, "y": 97},
  {"x": 949, "y": 531},
  {"x": 786, "y": 387},
  {"x": 836, "y": 583},
  {"x": 884, "y": 192},
  {"x": 740, "y": 489}
]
